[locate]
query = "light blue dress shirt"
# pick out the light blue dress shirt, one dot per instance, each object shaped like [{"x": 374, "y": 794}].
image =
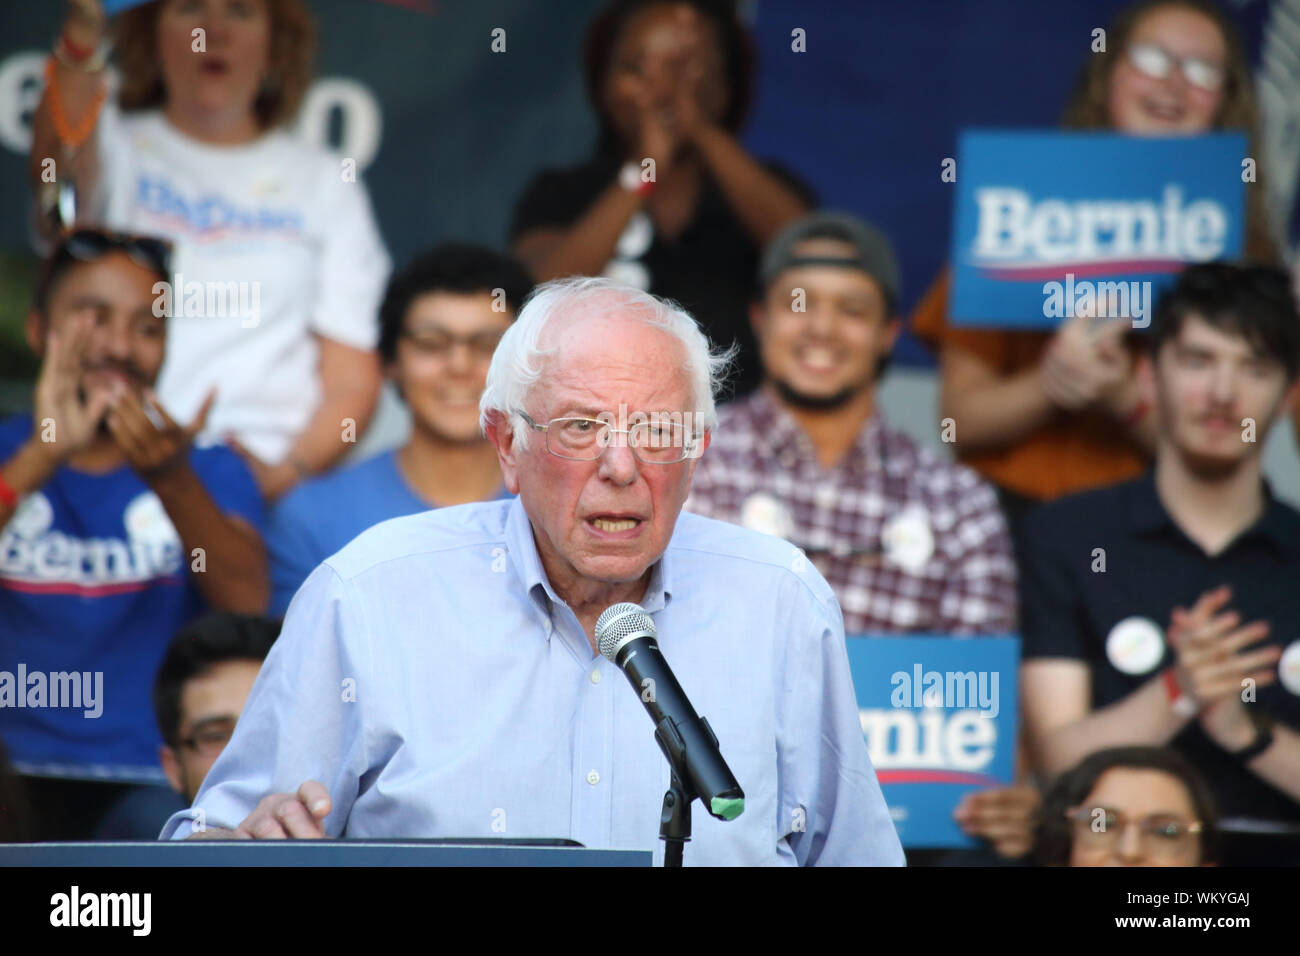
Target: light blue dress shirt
[{"x": 429, "y": 676}]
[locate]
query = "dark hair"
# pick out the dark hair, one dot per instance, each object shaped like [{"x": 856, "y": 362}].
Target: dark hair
[
  {"x": 738, "y": 57},
  {"x": 452, "y": 267},
  {"x": 89, "y": 245},
  {"x": 210, "y": 640},
  {"x": 1251, "y": 301},
  {"x": 1072, "y": 788},
  {"x": 16, "y": 824},
  {"x": 293, "y": 47},
  {"x": 1089, "y": 106}
]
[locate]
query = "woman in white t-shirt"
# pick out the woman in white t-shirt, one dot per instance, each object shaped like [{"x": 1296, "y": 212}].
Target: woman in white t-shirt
[{"x": 279, "y": 264}]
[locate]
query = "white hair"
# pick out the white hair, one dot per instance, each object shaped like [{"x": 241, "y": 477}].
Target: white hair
[{"x": 519, "y": 360}]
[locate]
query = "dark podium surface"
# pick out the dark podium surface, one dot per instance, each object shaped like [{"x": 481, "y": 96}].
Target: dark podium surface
[{"x": 317, "y": 853}]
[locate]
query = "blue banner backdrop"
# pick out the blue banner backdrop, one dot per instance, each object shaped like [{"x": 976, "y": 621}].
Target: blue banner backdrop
[
  {"x": 1045, "y": 221},
  {"x": 940, "y": 717}
]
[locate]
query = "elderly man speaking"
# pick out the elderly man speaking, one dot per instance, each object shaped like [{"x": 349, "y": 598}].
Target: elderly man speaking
[{"x": 439, "y": 677}]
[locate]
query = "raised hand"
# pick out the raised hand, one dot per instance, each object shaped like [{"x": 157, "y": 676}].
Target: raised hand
[
  {"x": 69, "y": 416},
  {"x": 152, "y": 442}
]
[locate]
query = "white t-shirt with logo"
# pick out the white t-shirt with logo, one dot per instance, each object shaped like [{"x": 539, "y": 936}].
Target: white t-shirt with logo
[{"x": 272, "y": 243}]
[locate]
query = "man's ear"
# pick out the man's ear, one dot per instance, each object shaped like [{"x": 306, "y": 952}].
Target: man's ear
[
  {"x": 35, "y": 327},
  {"x": 893, "y": 328},
  {"x": 172, "y": 768},
  {"x": 500, "y": 432}
]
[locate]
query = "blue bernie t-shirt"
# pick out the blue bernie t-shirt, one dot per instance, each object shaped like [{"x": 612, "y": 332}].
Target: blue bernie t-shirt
[
  {"x": 95, "y": 582},
  {"x": 320, "y": 516}
]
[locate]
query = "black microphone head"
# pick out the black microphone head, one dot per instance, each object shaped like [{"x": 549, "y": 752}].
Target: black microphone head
[{"x": 620, "y": 623}]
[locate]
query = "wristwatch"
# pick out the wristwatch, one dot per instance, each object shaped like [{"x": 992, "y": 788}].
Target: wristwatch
[{"x": 1263, "y": 738}]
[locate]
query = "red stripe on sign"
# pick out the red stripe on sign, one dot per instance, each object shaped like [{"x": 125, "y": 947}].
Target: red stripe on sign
[
  {"x": 86, "y": 590},
  {"x": 937, "y": 776},
  {"x": 1081, "y": 270}
]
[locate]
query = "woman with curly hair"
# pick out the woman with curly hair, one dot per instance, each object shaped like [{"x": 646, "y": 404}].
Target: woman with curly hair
[{"x": 279, "y": 264}]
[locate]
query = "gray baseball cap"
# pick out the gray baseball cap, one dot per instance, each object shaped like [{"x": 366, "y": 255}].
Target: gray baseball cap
[{"x": 874, "y": 254}]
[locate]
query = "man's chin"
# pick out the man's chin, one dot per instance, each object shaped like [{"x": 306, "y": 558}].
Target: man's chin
[
  {"x": 1210, "y": 465},
  {"x": 814, "y": 401}
]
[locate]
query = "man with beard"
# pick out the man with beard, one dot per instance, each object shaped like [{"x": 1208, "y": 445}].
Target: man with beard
[
  {"x": 114, "y": 533},
  {"x": 1165, "y": 610},
  {"x": 909, "y": 542}
]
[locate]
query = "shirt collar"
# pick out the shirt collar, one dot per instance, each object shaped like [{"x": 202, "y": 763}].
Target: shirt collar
[
  {"x": 527, "y": 564},
  {"x": 781, "y": 437},
  {"x": 1277, "y": 524}
]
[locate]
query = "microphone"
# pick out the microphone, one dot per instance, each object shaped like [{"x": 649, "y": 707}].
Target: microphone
[{"x": 626, "y": 636}]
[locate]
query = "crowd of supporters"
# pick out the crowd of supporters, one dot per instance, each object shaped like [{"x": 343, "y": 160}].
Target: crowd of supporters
[{"x": 179, "y": 476}]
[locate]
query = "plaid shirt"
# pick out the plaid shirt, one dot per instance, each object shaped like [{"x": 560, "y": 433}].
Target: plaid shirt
[{"x": 761, "y": 470}]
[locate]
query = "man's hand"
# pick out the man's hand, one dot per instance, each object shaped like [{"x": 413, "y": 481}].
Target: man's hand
[
  {"x": 1006, "y": 817},
  {"x": 1085, "y": 363},
  {"x": 289, "y": 815},
  {"x": 152, "y": 442},
  {"x": 58, "y": 397},
  {"x": 1212, "y": 663}
]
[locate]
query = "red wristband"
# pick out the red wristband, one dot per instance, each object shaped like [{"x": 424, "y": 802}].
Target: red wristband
[
  {"x": 1181, "y": 703},
  {"x": 75, "y": 52},
  {"x": 1138, "y": 413},
  {"x": 7, "y": 495}
]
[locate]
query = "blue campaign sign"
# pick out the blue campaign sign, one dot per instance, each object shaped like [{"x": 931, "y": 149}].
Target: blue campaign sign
[
  {"x": 939, "y": 715},
  {"x": 1049, "y": 225}
]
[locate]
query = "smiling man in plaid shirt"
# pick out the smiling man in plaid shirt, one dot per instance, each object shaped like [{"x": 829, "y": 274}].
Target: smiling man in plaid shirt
[{"x": 908, "y": 541}]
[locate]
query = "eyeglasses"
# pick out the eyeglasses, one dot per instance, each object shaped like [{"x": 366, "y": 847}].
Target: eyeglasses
[
  {"x": 209, "y": 740},
  {"x": 1157, "y": 63},
  {"x": 87, "y": 245},
  {"x": 439, "y": 342},
  {"x": 585, "y": 439},
  {"x": 1164, "y": 835}
]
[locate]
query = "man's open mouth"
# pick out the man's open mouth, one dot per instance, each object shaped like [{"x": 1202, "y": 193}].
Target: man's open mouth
[{"x": 614, "y": 525}]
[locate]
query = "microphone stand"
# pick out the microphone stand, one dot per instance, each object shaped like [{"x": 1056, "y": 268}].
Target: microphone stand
[
  {"x": 675, "y": 817},
  {"x": 675, "y": 821}
]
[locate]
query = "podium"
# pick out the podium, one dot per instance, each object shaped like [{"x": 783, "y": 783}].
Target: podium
[{"x": 316, "y": 853}]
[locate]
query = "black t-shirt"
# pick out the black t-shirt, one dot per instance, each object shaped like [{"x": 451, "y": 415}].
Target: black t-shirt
[
  {"x": 1069, "y": 610},
  {"x": 710, "y": 269}
]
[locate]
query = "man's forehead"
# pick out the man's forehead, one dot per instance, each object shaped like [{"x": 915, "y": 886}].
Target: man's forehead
[
  {"x": 1196, "y": 331},
  {"x": 612, "y": 356}
]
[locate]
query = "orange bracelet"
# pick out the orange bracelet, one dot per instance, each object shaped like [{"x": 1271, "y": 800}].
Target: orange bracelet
[{"x": 70, "y": 136}]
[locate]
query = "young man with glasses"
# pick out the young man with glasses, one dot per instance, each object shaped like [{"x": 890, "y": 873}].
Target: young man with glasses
[
  {"x": 198, "y": 695},
  {"x": 1164, "y": 610},
  {"x": 116, "y": 532},
  {"x": 440, "y": 322}
]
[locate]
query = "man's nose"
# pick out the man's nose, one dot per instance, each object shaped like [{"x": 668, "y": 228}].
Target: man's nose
[
  {"x": 1223, "y": 386},
  {"x": 618, "y": 464},
  {"x": 113, "y": 338}
]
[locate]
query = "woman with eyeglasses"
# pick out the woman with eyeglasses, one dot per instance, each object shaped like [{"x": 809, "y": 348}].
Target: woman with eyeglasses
[
  {"x": 279, "y": 266},
  {"x": 1129, "y": 806},
  {"x": 1044, "y": 414}
]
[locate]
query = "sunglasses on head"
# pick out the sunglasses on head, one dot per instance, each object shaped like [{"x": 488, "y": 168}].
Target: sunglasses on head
[{"x": 87, "y": 245}]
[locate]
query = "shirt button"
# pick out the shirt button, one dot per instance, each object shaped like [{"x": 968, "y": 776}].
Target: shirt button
[
  {"x": 595, "y": 677},
  {"x": 546, "y": 625},
  {"x": 826, "y": 497},
  {"x": 593, "y": 778}
]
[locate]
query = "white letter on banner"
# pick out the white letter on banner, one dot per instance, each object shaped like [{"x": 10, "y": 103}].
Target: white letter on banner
[{"x": 1002, "y": 215}]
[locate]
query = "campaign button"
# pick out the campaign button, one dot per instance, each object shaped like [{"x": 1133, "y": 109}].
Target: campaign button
[{"x": 1135, "y": 645}]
